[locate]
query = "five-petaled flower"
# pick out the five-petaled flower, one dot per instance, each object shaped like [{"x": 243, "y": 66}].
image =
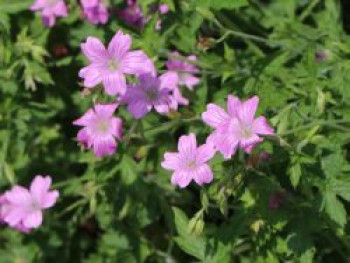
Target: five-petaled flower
[
  {"x": 109, "y": 66},
  {"x": 101, "y": 129},
  {"x": 50, "y": 9},
  {"x": 237, "y": 127},
  {"x": 149, "y": 93},
  {"x": 23, "y": 208},
  {"x": 190, "y": 163}
]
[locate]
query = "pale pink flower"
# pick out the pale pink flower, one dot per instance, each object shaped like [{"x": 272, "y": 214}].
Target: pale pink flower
[
  {"x": 23, "y": 209},
  {"x": 95, "y": 11},
  {"x": 101, "y": 130},
  {"x": 149, "y": 93},
  {"x": 237, "y": 127},
  {"x": 176, "y": 99},
  {"x": 109, "y": 66},
  {"x": 50, "y": 9},
  {"x": 183, "y": 70},
  {"x": 163, "y": 9},
  {"x": 190, "y": 163}
]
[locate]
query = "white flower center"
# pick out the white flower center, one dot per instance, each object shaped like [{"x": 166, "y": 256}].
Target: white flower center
[
  {"x": 246, "y": 131},
  {"x": 51, "y": 2},
  {"x": 102, "y": 127},
  {"x": 192, "y": 164},
  {"x": 34, "y": 206},
  {"x": 112, "y": 65},
  {"x": 151, "y": 94}
]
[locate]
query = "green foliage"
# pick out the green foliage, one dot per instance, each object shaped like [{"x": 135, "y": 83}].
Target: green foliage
[{"x": 293, "y": 207}]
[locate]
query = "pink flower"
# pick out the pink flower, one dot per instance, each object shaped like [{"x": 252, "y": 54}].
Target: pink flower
[
  {"x": 50, "y": 9},
  {"x": 101, "y": 130},
  {"x": 150, "y": 93},
  {"x": 236, "y": 127},
  {"x": 190, "y": 162},
  {"x": 176, "y": 98},
  {"x": 109, "y": 66},
  {"x": 182, "y": 70},
  {"x": 22, "y": 209},
  {"x": 95, "y": 11},
  {"x": 163, "y": 9},
  {"x": 132, "y": 14}
]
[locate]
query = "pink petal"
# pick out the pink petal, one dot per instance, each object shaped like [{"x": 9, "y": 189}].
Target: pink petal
[
  {"x": 205, "y": 152},
  {"x": 61, "y": 9},
  {"x": 169, "y": 80},
  {"x": 38, "y": 4},
  {"x": 89, "y": 3},
  {"x": 171, "y": 161},
  {"x": 138, "y": 108},
  {"x": 203, "y": 175},
  {"x": 49, "y": 20},
  {"x": 247, "y": 110},
  {"x": 214, "y": 116},
  {"x": 86, "y": 119},
  {"x": 224, "y": 143},
  {"x": 105, "y": 110},
  {"x": 135, "y": 62},
  {"x": 14, "y": 216},
  {"x": 114, "y": 83},
  {"x": 40, "y": 187},
  {"x": 247, "y": 142},
  {"x": 104, "y": 146},
  {"x": 119, "y": 45},
  {"x": 181, "y": 179},
  {"x": 19, "y": 195},
  {"x": 91, "y": 75},
  {"x": 84, "y": 138},
  {"x": 49, "y": 199},
  {"x": 94, "y": 50},
  {"x": 260, "y": 126},
  {"x": 233, "y": 104},
  {"x": 187, "y": 145},
  {"x": 189, "y": 81},
  {"x": 117, "y": 129},
  {"x": 33, "y": 220}
]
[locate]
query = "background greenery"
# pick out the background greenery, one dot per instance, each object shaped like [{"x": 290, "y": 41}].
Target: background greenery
[{"x": 294, "y": 54}]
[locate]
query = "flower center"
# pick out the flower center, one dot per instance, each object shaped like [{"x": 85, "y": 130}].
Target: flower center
[
  {"x": 192, "y": 164},
  {"x": 34, "y": 206},
  {"x": 152, "y": 94},
  {"x": 112, "y": 65},
  {"x": 102, "y": 126},
  {"x": 246, "y": 131}
]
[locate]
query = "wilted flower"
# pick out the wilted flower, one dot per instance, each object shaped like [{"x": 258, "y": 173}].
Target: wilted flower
[
  {"x": 276, "y": 199},
  {"x": 150, "y": 93},
  {"x": 95, "y": 11},
  {"x": 182, "y": 70},
  {"x": 236, "y": 127},
  {"x": 190, "y": 162},
  {"x": 101, "y": 130},
  {"x": 23, "y": 209},
  {"x": 109, "y": 66},
  {"x": 50, "y": 9}
]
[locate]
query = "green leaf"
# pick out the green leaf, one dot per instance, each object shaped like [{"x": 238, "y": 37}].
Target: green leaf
[
  {"x": 14, "y": 6},
  {"x": 194, "y": 246},
  {"x": 181, "y": 222},
  {"x": 221, "y": 4},
  {"x": 334, "y": 208},
  {"x": 295, "y": 174}
]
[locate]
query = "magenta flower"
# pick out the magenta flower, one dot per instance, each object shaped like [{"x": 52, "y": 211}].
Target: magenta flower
[
  {"x": 132, "y": 14},
  {"x": 101, "y": 130},
  {"x": 190, "y": 162},
  {"x": 95, "y": 11},
  {"x": 183, "y": 70},
  {"x": 50, "y": 9},
  {"x": 150, "y": 93},
  {"x": 23, "y": 209},
  {"x": 110, "y": 66},
  {"x": 163, "y": 9},
  {"x": 236, "y": 127}
]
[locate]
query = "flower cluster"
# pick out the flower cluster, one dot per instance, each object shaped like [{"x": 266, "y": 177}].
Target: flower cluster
[
  {"x": 22, "y": 208},
  {"x": 236, "y": 128},
  {"x": 110, "y": 67},
  {"x": 96, "y": 12}
]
